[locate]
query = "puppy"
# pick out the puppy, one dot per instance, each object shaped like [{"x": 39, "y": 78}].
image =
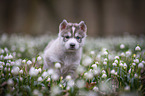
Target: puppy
[{"x": 66, "y": 49}]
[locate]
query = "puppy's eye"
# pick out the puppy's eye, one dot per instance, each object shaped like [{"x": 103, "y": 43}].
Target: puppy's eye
[
  {"x": 78, "y": 37},
  {"x": 67, "y": 37}
]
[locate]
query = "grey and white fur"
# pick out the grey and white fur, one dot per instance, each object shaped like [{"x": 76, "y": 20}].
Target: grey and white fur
[{"x": 66, "y": 49}]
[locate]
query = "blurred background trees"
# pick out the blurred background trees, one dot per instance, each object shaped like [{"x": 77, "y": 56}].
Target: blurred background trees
[{"x": 103, "y": 17}]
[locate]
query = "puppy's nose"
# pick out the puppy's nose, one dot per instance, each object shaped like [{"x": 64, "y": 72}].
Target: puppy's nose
[{"x": 72, "y": 44}]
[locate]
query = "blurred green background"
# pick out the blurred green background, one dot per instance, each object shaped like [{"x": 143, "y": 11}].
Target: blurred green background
[{"x": 103, "y": 17}]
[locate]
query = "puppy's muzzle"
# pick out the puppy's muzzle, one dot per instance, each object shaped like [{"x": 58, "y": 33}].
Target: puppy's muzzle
[{"x": 72, "y": 45}]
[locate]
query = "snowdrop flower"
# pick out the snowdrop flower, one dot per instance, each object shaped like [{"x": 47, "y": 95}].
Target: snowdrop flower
[
  {"x": 29, "y": 62},
  {"x": 12, "y": 63},
  {"x": 6, "y": 50},
  {"x": 105, "y": 63},
  {"x": 21, "y": 71},
  {"x": 122, "y": 46},
  {"x": 129, "y": 71},
  {"x": 116, "y": 57},
  {"x": 2, "y": 51},
  {"x": 10, "y": 56},
  {"x": 68, "y": 77},
  {"x": 48, "y": 79},
  {"x": 1, "y": 57},
  {"x": 103, "y": 71},
  {"x": 125, "y": 66},
  {"x": 1, "y": 66},
  {"x": 33, "y": 71},
  {"x": 15, "y": 70},
  {"x": 104, "y": 76},
  {"x": 136, "y": 60},
  {"x": 50, "y": 71},
  {"x": 39, "y": 70},
  {"x": 105, "y": 59},
  {"x": 89, "y": 75},
  {"x": 114, "y": 64},
  {"x": 137, "y": 48},
  {"x": 68, "y": 88},
  {"x": 6, "y": 57},
  {"x": 128, "y": 53},
  {"x": 71, "y": 83},
  {"x": 135, "y": 75},
  {"x": 127, "y": 88},
  {"x": 35, "y": 92},
  {"x": 87, "y": 61},
  {"x": 116, "y": 61},
  {"x": 57, "y": 65},
  {"x": 122, "y": 54},
  {"x": 18, "y": 62},
  {"x": 7, "y": 64},
  {"x": 96, "y": 71},
  {"x": 105, "y": 53},
  {"x": 94, "y": 66},
  {"x": 121, "y": 65},
  {"x": 80, "y": 69},
  {"x": 80, "y": 83},
  {"x": 45, "y": 74},
  {"x": 92, "y": 52},
  {"x": 54, "y": 76},
  {"x": 10, "y": 82},
  {"x": 96, "y": 88},
  {"x": 39, "y": 79},
  {"x": 143, "y": 62},
  {"x": 133, "y": 64},
  {"x": 21, "y": 79},
  {"x": 113, "y": 72},
  {"x": 24, "y": 61},
  {"x": 39, "y": 58},
  {"x": 140, "y": 65}
]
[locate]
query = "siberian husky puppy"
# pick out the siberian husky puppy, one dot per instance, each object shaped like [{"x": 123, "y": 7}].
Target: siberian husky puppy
[{"x": 66, "y": 49}]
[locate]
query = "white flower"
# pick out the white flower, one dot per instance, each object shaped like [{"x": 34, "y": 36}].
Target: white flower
[
  {"x": 10, "y": 82},
  {"x": 105, "y": 63},
  {"x": 114, "y": 64},
  {"x": 48, "y": 79},
  {"x": 15, "y": 70},
  {"x": 89, "y": 75},
  {"x": 136, "y": 60},
  {"x": 105, "y": 53},
  {"x": 71, "y": 83},
  {"x": 94, "y": 66},
  {"x": 103, "y": 71},
  {"x": 128, "y": 53},
  {"x": 122, "y": 46},
  {"x": 45, "y": 74},
  {"x": 135, "y": 75},
  {"x": 121, "y": 65},
  {"x": 129, "y": 71},
  {"x": 116, "y": 61},
  {"x": 29, "y": 62},
  {"x": 127, "y": 88},
  {"x": 80, "y": 83},
  {"x": 33, "y": 71},
  {"x": 1, "y": 66},
  {"x": 50, "y": 71},
  {"x": 24, "y": 61},
  {"x": 18, "y": 62},
  {"x": 39, "y": 79},
  {"x": 68, "y": 88},
  {"x": 80, "y": 69},
  {"x": 92, "y": 52},
  {"x": 125, "y": 65},
  {"x": 134, "y": 64},
  {"x": 68, "y": 77},
  {"x": 6, "y": 57},
  {"x": 35, "y": 92},
  {"x": 113, "y": 72},
  {"x": 54, "y": 76},
  {"x": 140, "y": 65},
  {"x": 87, "y": 61},
  {"x": 105, "y": 59},
  {"x": 96, "y": 88},
  {"x": 116, "y": 57},
  {"x": 57, "y": 65},
  {"x": 137, "y": 48},
  {"x": 96, "y": 71},
  {"x": 122, "y": 54},
  {"x": 39, "y": 70},
  {"x": 10, "y": 56},
  {"x": 104, "y": 76},
  {"x": 21, "y": 71},
  {"x": 39, "y": 58},
  {"x": 143, "y": 62}
]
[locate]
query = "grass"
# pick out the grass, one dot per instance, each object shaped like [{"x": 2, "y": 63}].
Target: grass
[{"x": 109, "y": 67}]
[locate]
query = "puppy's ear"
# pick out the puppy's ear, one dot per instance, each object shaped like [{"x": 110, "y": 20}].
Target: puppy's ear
[
  {"x": 83, "y": 26},
  {"x": 63, "y": 25}
]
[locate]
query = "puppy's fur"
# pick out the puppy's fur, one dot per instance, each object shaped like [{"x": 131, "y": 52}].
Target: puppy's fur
[{"x": 66, "y": 49}]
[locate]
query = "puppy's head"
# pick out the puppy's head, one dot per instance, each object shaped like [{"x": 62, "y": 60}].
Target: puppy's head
[{"x": 72, "y": 34}]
